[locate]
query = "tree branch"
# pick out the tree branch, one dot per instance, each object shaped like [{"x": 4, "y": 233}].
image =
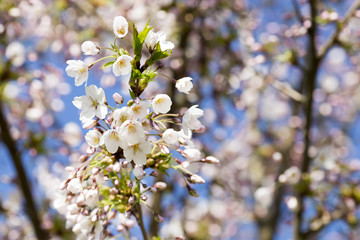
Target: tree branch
[
  {"x": 24, "y": 183},
  {"x": 339, "y": 27}
]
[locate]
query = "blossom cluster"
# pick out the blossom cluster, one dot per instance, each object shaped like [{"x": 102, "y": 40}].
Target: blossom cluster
[{"x": 129, "y": 142}]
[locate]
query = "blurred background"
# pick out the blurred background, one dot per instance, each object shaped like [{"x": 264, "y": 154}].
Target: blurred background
[{"x": 279, "y": 83}]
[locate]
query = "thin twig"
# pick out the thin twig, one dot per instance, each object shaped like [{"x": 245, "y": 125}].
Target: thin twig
[
  {"x": 339, "y": 27},
  {"x": 140, "y": 221}
]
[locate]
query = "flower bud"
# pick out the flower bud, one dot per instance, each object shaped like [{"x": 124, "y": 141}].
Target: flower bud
[
  {"x": 116, "y": 182},
  {"x": 129, "y": 223},
  {"x": 196, "y": 179},
  {"x": 143, "y": 197},
  {"x": 192, "y": 192},
  {"x": 180, "y": 238},
  {"x": 211, "y": 159},
  {"x": 109, "y": 120},
  {"x": 160, "y": 185},
  {"x": 154, "y": 173},
  {"x": 90, "y": 150},
  {"x": 95, "y": 170},
  {"x": 64, "y": 184},
  {"x": 118, "y": 98},
  {"x": 94, "y": 218},
  {"x": 129, "y": 184},
  {"x": 90, "y": 124},
  {"x": 111, "y": 215},
  {"x": 106, "y": 208},
  {"x": 131, "y": 200},
  {"x": 127, "y": 214},
  {"x": 153, "y": 189},
  {"x": 125, "y": 164},
  {"x": 158, "y": 218},
  {"x": 83, "y": 158}
]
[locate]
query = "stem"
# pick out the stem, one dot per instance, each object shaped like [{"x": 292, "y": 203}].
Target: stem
[
  {"x": 103, "y": 58},
  {"x": 139, "y": 220},
  {"x": 172, "y": 79},
  {"x": 24, "y": 183}
]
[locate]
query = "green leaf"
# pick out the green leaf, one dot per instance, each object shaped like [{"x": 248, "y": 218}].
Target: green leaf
[
  {"x": 108, "y": 64},
  {"x": 138, "y": 40},
  {"x": 132, "y": 94},
  {"x": 157, "y": 56}
]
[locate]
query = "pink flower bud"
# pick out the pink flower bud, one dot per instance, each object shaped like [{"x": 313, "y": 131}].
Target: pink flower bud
[
  {"x": 90, "y": 124},
  {"x": 160, "y": 185},
  {"x": 211, "y": 159},
  {"x": 109, "y": 120},
  {"x": 154, "y": 173},
  {"x": 118, "y": 98},
  {"x": 90, "y": 150},
  {"x": 158, "y": 218},
  {"x": 143, "y": 197},
  {"x": 83, "y": 158}
]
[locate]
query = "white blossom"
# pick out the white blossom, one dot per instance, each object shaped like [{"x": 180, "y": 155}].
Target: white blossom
[
  {"x": 137, "y": 152},
  {"x": 121, "y": 115},
  {"x": 79, "y": 70},
  {"x": 291, "y": 176},
  {"x": 190, "y": 118},
  {"x": 138, "y": 172},
  {"x": 140, "y": 110},
  {"x": 153, "y": 38},
  {"x": 184, "y": 85},
  {"x": 91, "y": 197},
  {"x": 120, "y": 26},
  {"x": 111, "y": 139},
  {"x": 161, "y": 103},
  {"x": 93, "y": 104},
  {"x": 122, "y": 65},
  {"x": 15, "y": 51},
  {"x": 89, "y": 48},
  {"x": 132, "y": 132},
  {"x": 74, "y": 185},
  {"x": 93, "y": 137},
  {"x": 170, "y": 136}
]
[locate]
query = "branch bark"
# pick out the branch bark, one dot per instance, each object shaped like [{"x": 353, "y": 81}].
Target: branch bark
[
  {"x": 15, "y": 154},
  {"x": 313, "y": 60}
]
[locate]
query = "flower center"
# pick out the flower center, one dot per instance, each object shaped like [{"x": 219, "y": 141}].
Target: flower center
[
  {"x": 122, "y": 63},
  {"x": 94, "y": 103},
  {"x": 114, "y": 136},
  {"x": 82, "y": 70},
  {"x": 137, "y": 109},
  {"x": 131, "y": 129},
  {"x": 121, "y": 31},
  {"x": 160, "y": 100}
]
